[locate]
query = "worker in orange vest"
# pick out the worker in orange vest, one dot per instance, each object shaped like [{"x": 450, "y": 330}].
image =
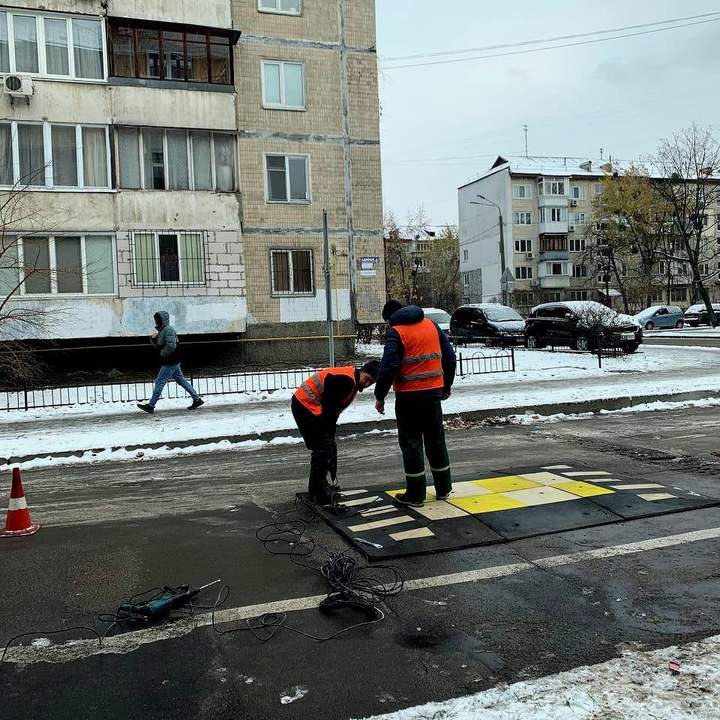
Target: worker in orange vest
[
  {"x": 419, "y": 362},
  {"x": 316, "y": 406}
]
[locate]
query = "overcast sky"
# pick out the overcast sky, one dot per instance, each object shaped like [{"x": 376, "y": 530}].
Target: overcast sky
[{"x": 442, "y": 125}]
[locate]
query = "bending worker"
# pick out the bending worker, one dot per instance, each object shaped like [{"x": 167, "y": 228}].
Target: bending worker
[
  {"x": 316, "y": 406},
  {"x": 419, "y": 362}
]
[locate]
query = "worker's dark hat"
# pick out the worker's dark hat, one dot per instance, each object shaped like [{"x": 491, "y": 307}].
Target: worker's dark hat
[
  {"x": 391, "y": 307},
  {"x": 371, "y": 367}
]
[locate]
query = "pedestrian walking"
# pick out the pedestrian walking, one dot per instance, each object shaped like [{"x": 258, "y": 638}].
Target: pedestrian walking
[
  {"x": 419, "y": 363},
  {"x": 316, "y": 407},
  {"x": 165, "y": 340}
]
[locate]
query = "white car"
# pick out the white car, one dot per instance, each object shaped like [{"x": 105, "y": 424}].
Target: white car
[{"x": 440, "y": 317}]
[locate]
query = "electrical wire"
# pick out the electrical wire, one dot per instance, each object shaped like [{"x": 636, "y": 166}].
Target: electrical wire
[{"x": 37, "y": 633}]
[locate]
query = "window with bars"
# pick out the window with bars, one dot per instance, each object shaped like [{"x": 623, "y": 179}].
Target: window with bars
[
  {"x": 168, "y": 258},
  {"x": 58, "y": 265},
  {"x": 292, "y": 272},
  {"x": 147, "y": 50},
  {"x": 158, "y": 159}
]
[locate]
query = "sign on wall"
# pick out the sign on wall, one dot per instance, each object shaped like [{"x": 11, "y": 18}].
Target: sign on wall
[{"x": 368, "y": 266}]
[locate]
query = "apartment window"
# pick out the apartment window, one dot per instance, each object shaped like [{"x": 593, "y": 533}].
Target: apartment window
[
  {"x": 54, "y": 46},
  {"x": 287, "y": 178},
  {"x": 170, "y": 52},
  {"x": 556, "y": 269},
  {"x": 598, "y": 188},
  {"x": 523, "y": 246},
  {"x": 157, "y": 159},
  {"x": 283, "y": 85},
  {"x": 292, "y": 272},
  {"x": 286, "y": 7},
  {"x": 604, "y": 277},
  {"x": 662, "y": 266},
  {"x": 577, "y": 192},
  {"x": 522, "y": 192},
  {"x": 704, "y": 269},
  {"x": 466, "y": 256},
  {"x": 552, "y": 186},
  {"x": 553, "y": 214},
  {"x": 678, "y": 294},
  {"x": 466, "y": 279},
  {"x": 168, "y": 258},
  {"x": 548, "y": 243},
  {"x": 522, "y": 218},
  {"x": 577, "y": 244},
  {"x": 51, "y": 155},
  {"x": 523, "y": 272},
  {"x": 62, "y": 265},
  {"x": 578, "y": 295},
  {"x": 577, "y": 218},
  {"x": 579, "y": 271}
]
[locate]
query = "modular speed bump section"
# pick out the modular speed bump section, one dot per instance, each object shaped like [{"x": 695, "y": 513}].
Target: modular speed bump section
[{"x": 501, "y": 507}]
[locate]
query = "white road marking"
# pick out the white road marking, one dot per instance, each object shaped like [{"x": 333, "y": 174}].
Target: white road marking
[
  {"x": 360, "y": 501},
  {"x": 639, "y": 486},
  {"x": 121, "y": 644},
  {"x": 687, "y": 437},
  {"x": 381, "y": 523},
  {"x": 587, "y": 474},
  {"x": 652, "y": 497},
  {"x": 348, "y": 493}
]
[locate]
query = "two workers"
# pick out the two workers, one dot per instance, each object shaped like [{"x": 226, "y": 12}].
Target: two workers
[{"x": 419, "y": 363}]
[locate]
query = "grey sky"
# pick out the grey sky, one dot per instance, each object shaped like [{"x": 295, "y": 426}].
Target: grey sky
[{"x": 442, "y": 125}]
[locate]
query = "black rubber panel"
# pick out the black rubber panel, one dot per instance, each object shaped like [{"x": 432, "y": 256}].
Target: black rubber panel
[
  {"x": 548, "y": 519},
  {"x": 629, "y": 506}
]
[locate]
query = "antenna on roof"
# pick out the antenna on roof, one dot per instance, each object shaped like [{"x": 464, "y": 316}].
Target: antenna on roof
[
  {"x": 525, "y": 130},
  {"x": 601, "y": 153}
]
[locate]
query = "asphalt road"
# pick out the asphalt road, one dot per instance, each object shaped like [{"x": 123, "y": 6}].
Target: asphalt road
[{"x": 114, "y": 529}]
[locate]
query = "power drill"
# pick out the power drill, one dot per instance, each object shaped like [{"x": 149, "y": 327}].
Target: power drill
[{"x": 160, "y": 607}]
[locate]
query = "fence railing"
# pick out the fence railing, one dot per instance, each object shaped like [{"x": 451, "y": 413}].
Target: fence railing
[{"x": 31, "y": 397}]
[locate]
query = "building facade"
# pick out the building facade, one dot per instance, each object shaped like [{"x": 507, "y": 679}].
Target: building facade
[
  {"x": 179, "y": 156},
  {"x": 545, "y": 211}
]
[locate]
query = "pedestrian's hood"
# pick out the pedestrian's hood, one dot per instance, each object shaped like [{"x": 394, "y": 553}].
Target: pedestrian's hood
[
  {"x": 162, "y": 319},
  {"x": 410, "y": 315}
]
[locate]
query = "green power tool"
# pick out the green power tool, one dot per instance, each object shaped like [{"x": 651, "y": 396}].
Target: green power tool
[{"x": 158, "y": 608}]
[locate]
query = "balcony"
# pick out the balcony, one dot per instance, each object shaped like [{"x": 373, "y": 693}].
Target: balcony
[
  {"x": 554, "y": 255},
  {"x": 552, "y": 201},
  {"x": 553, "y": 228},
  {"x": 552, "y": 282}
]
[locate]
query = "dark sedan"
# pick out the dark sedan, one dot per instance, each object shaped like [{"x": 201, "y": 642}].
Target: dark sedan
[
  {"x": 698, "y": 315},
  {"x": 490, "y": 323}
]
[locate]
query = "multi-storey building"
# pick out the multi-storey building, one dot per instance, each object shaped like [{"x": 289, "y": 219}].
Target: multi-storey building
[
  {"x": 545, "y": 210},
  {"x": 179, "y": 156}
]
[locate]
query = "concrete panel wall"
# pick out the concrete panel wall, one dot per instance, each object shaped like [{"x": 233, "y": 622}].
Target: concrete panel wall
[
  {"x": 318, "y": 22},
  {"x": 209, "y": 13},
  {"x": 360, "y": 23},
  {"x": 62, "y": 102},
  {"x": 79, "y": 7},
  {"x": 47, "y": 212},
  {"x": 363, "y": 96}
]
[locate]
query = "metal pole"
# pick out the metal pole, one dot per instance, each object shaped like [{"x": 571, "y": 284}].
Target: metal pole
[
  {"x": 328, "y": 292},
  {"x": 502, "y": 254}
]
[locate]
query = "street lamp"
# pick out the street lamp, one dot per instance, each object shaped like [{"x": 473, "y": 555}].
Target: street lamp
[{"x": 502, "y": 240}]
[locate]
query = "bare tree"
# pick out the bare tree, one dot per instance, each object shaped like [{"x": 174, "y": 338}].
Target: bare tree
[
  {"x": 443, "y": 264},
  {"x": 399, "y": 262},
  {"x": 689, "y": 165}
]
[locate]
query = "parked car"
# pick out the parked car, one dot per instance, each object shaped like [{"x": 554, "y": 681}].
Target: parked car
[
  {"x": 698, "y": 315},
  {"x": 661, "y": 316},
  {"x": 440, "y": 317},
  {"x": 487, "y": 322},
  {"x": 580, "y": 325}
]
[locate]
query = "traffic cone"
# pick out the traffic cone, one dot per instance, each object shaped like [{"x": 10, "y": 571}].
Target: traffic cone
[{"x": 18, "y": 520}]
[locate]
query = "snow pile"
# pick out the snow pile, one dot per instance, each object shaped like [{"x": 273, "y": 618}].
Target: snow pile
[{"x": 636, "y": 686}]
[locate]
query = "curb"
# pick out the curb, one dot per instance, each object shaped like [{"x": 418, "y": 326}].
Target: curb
[{"x": 586, "y": 406}]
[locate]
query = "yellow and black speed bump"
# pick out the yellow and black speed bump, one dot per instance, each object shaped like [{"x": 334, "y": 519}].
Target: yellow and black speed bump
[{"x": 501, "y": 507}]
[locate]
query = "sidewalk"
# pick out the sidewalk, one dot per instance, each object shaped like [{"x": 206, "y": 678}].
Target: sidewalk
[{"x": 545, "y": 382}]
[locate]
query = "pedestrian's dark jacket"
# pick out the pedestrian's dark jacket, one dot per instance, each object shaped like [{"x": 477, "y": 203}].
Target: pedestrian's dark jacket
[
  {"x": 166, "y": 340},
  {"x": 394, "y": 353}
]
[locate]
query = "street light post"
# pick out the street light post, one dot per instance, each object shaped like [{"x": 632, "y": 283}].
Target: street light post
[{"x": 502, "y": 240}]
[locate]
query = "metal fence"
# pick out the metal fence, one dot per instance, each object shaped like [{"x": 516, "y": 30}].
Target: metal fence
[{"x": 31, "y": 397}]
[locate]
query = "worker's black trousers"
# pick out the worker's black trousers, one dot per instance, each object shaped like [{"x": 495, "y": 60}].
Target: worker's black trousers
[
  {"x": 319, "y": 437},
  {"x": 420, "y": 425}
]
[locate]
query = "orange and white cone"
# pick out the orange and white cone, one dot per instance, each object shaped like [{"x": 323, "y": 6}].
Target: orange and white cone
[{"x": 18, "y": 520}]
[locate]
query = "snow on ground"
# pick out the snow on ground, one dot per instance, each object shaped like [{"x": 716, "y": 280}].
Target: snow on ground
[
  {"x": 635, "y": 686},
  {"x": 686, "y": 332},
  {"x": 541, "y": 378}
]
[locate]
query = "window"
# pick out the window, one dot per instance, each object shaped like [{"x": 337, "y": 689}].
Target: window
[
  {"x": 466, "y": 279},
  {"x": 157, "y": 159},
  {"x": 283, "y": 85},
  {"x": 548, "y": 243},
  {"x": 77, "y": 155},
  {"x": 579, "y": 271},
  {"x": 292, "y": 272},
  {"x": 523, "y": 246},
  {"x": 578, "y": 295},
  {"x": 556, "y": 269},
  {"x": 553, "y": 214},
  {"x": 678, "y": 294},
  {"x": 577, "y": 244},
  {"x": 577, "y": 192},
  {"x": 54, "y": 46},
  {"x": 168, "y": 258},
  {"x": 604, "y": 277},
  {"x": 466, "y": 256},
  {"x": 286, "y": 7},
  {"x": 598, "y": 188},
  {"x": 288, "y": 178},
  {"x": 577, "y": 218},
  {"x": 551, "y": 186},
  {"x": 522, "y": 192},
  {"x": 704, "y": 269},
  {"x": 523, "y": 273},
  {"x": 64, "y": 265},
  {"x": 522, "y": 218},
  {"x": 161, "y": 52}
]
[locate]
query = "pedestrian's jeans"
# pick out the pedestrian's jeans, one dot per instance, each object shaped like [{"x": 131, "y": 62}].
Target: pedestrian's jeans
[
  {"x": 420, "y": 422},
  {"x": 167, "y": 373}
]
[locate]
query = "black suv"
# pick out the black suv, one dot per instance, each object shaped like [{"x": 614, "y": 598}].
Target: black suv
[
  {"x": 491, "y": 323},
  {"x": 698, "y": 315},
  {"x": 581, "y": 325}
]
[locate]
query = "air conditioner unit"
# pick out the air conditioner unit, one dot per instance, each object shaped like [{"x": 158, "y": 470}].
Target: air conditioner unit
[
  {"x": 529, "y": 255},
  {"x": 571, "y": 228},
  {"x": 573, "y": 203},
  {"x": 535, "y": 283},
  {"x": 18, "y": 86}
]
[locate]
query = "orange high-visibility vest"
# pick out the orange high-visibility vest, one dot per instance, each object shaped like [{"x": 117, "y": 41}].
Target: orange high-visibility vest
[
  {"x": 421, "y": 367},
  {"x": 309, "y": 394}
]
